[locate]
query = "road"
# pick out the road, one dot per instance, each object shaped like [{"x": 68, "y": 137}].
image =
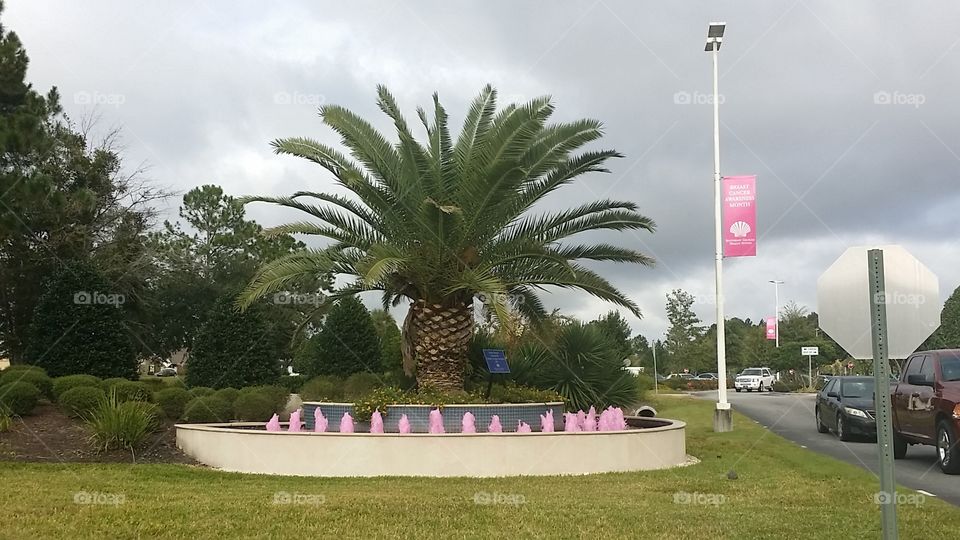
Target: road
[{"x": 791, "y": 416}]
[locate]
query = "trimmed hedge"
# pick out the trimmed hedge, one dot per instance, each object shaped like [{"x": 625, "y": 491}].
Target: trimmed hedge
[
  {"x": 207, "y": 409},
  {"x": 107, "y": 384},
  {"x": 132, "y": 391},
  {"x": 173, "y": 401},
  {"x": 277, "y": 394},
  {"x": 68, "y": 382},
  {"x": 79, "y": 401},
  {"x": 36, "y": 377},
  {"x": 291, "y": 383},
  {"x": 227, "y": 394},
  {"x": 201, "y": 391},
  {"x": 19, "y": 398},
  {"x": 253, "y": 407},
  {"x": 322, "y": 388},
  {"x": 361, "y": 384}
]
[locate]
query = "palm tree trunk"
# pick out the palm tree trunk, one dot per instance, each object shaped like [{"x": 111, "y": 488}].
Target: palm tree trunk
[{"x": 441, "y": 335}]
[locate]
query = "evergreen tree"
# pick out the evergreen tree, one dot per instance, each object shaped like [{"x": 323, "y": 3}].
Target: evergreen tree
[
  {"x": 234, "y": 349},
  {"x": 616, "y": 328},
  {"x": 685, "y": 328},
  {"x": 390, "y": 340},
  {"x": 346, "y": 344},
  {"x": 78, "y": 327},
  {"x": 947, "y": 336}
]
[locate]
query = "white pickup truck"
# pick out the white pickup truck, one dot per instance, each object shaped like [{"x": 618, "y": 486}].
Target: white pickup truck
[{"x": 751, "y": 379}]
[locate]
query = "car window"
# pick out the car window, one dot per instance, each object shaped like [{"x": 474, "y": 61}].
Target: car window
[
  {"x": 857, "y": 389},
  {"x": 927, "y": 368},
  {"x": 751, "y": 372},
  {"x": 950, "y": 367},
  {"x": 831, "y": 386},
  {"x": 913, "y": 366}
]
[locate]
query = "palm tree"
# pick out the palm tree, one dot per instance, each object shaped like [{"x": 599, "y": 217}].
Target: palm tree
[{"x": 442, "y": 222}]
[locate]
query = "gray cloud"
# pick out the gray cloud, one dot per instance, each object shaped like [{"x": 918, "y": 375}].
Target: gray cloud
[{"x": 844, "y": 110}]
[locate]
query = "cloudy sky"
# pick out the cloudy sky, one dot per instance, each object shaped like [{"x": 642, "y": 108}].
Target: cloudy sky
[{"x": 846, "y": 111}]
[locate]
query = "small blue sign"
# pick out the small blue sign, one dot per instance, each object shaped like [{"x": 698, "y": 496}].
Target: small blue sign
[{"x": 496, "y": 361}]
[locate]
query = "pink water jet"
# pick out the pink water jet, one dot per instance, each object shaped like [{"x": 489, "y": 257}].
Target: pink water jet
[
  {"x": 346, "y": 423},
  {"x": 294, "y": 421},
  {"x": 320, "y": 422},
  {"x": 606, "y": 422},
  {"x": 546, "y": 422},
  {"x": 436, "y": 421},
  {"x": 523, "y": 427},
  {"x": 376, "y": 422},
  {"x": 570, "y": 423},
  {"x": 494, "y": 426},
  {"x": 581, "y": 419},
  {"x": 468, "y": 424},
  {"x": 404, "y": 425},
  {"x": 619, "y": 421},
  {"x": 274, "y": 423},
  {"x": 590, "y": 422}
]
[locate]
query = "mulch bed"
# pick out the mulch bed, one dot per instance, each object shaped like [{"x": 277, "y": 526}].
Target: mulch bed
[{"x": 49, "y": 436}]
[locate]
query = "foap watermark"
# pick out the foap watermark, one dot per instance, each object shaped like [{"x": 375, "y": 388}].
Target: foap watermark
[
  {"x": 486, "y": 498},
  {"x": 699, "y": 499},
  {"x": 896, "y": 97},
  {"x": 503, "y": 298},
  {"x": 901, "y": 499},
  {"x": 695, "y": 98},
  {"x": 299, "y": 299},
  {"x": 96, "y": 298},
  {"x": 99, "y": 98},
  {"x": 309, "y": 499},
  {"x": 298, "y": 98},
  {"x": 900, "y": 299},
  {"x": 99, "y": 497}
]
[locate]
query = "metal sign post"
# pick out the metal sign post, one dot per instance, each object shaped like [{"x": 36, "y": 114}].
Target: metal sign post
[{"x": 887, "y": 498}]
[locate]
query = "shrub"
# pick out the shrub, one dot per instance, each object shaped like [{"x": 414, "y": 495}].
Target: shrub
[
  {"x": 675, "y": 383},
  {"x": 132, "y": 391},
  {"x": 172, "y": 401},
  {"x": 107, "y": 384},
  {"x": 67, "y": 382},
  {"x": 36, "y": 377},
  {"x": 521, "y": 394},
  {"x": 703, "y": 385},
  {"x": 278, "y": 395},
  {"x": 582, "y": 366},
  {"x": 322, "y": 388},
  {"x": 227, "y": 394},
  {"x": 292, "y": 383},
  {"x": 22, "y": 367},
  {"x": 121, "y": 424},
  {"x": 235, "y": 349},
  {"x": 6, "y": 420},
  {"x": 201, "y": 391},
  {"x": 19, "y": 397},
  {"x": 379, "y": 399},
  {"x": 360, "y": 384},
  {"x": 207, "y": 409},
  {"x": 79, "y": 401},
  {"x": 253, "y": 407},
  {"x": 346, "y": 344},
  {"x": 155, "y": 384},
  {"x": 67, "y": 336}
]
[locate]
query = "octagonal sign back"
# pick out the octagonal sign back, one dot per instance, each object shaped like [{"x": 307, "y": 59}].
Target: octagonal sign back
[{"x": 912, "y": 295}]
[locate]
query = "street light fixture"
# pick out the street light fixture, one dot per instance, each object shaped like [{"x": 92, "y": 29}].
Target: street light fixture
[
  {"x": 722, "y": 416},
  {"x": 776, "y": 309}
]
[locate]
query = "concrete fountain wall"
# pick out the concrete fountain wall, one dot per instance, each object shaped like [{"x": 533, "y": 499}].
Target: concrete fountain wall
[{"x": 653, "y": 443}]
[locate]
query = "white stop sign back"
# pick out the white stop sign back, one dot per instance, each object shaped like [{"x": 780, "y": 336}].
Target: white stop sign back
[{"x": 912, "y": 298}]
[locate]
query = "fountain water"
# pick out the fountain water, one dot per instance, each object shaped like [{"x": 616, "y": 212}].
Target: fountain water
[
  {"x": 320, "y": 422},
  {"x": 274, "y": 423},
  {"x": 436, "y": 421},
  {"x": 523, "y": 427},
  {"x": 495, "y": 426},
  {"x": 468, "y": 424},
  {"x": 546, "y": 422},
  {"x": 404, "y": 424},
  {"x": 376, "y": 422},
  {"x": 570, "y": 423},
  {"x": 295, "y": 420},
  {"x": 346, "y": 423}
]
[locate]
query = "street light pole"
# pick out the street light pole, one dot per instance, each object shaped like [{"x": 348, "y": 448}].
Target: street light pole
[
  {"x": 722, "y": 416},
  {"x": 776, "y": 309}
]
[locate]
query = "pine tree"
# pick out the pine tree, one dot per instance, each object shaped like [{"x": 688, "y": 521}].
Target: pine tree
[{"x": 346, "y": 344}]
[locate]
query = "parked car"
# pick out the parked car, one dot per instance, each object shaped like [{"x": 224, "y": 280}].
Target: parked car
[
  {"x": 706, "y": 377},
  {"x": 926, "y": 406},
  {"x": 680, "y": 376},
  {"x": 167, "y": 372},
  {"x": 846, "y": 406},
  {"x": 751, "y": 379}
]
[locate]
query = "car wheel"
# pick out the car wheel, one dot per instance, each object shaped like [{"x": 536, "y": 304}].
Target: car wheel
[
  {"x": 899, "y": 446},
  {"x": 760, "y": 389},
  {"x": 738, "y": 389},
  {"x": 947, "y": 449},
  {"x": 820, "y": 427},
  {"x": 842, "y": 432}
]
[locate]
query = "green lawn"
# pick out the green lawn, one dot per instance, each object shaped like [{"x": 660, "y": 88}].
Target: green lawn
[{"x": 782, "y": 491}]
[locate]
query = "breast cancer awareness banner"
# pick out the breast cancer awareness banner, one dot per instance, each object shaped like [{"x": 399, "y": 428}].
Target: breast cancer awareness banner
[
  {"x": 739, "y": 201},
  {"x": 771, "y": 328}
]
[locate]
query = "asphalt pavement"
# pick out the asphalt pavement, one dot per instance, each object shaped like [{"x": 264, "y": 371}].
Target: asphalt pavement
[{"x": 791, "y": 416}]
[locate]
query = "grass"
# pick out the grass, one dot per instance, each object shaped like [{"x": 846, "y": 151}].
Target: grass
[{"x": 782, "y": 491}]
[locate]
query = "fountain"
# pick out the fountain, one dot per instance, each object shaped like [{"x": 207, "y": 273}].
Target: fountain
[
  {"x": 468, "y": 424},
  {"x": 523, "y": 427},
  {"x": 320, "y": 421},
  {"x": 570, "y": 423},
  {"x": 495, "y": 426},
  {"x": 346, "y": 423},
  {"x": 436, "y": 421},
  {"x": 294, "y": 421},
  {"x": 274, "y": 423},
  {"x": 376, "y": 422},
  {"x": 404, "y": 425}
]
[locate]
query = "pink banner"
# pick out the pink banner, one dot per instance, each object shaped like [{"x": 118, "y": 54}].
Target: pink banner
[
  {"x": 771, "y": 328},
  {"x": 739, "y": 196}
]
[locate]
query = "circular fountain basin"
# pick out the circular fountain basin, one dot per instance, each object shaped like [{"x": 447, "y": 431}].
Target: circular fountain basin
[
  {"x": 649, "y": 443},
  {"x": 510, "y": 414}
]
